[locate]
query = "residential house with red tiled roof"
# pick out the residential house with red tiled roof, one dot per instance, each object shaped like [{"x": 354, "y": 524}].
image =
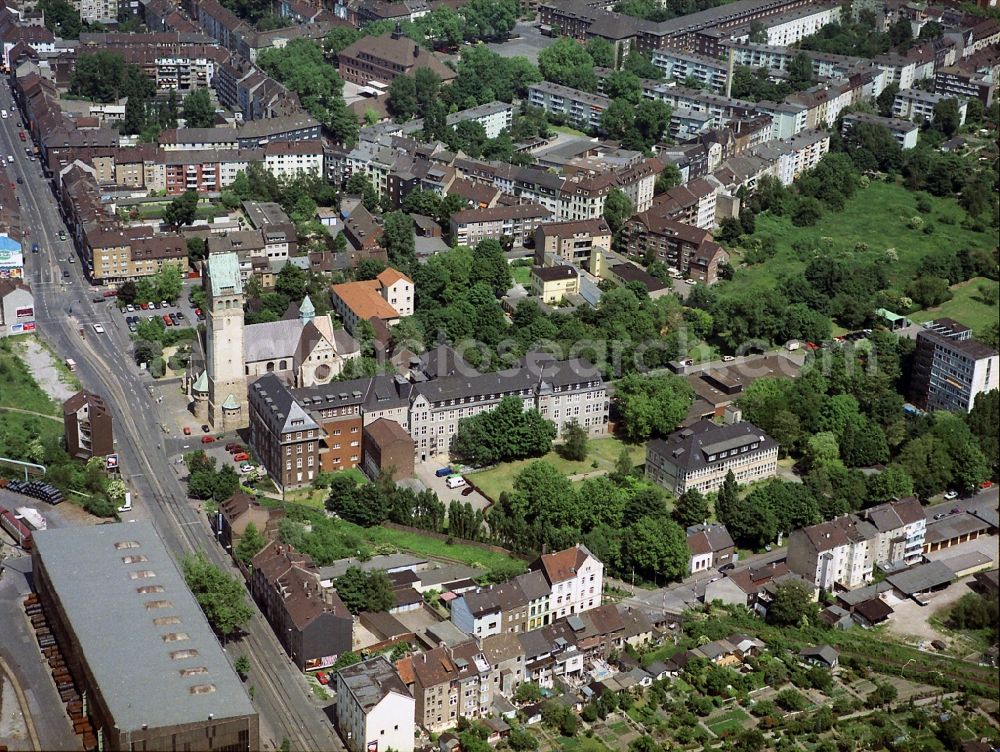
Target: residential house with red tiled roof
[
  {"x": 576, "y": 578},
  {"x": 388, "y": 297}
]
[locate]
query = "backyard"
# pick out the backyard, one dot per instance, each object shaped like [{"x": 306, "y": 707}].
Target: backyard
[
  {"x": 874, "y": 220},
  {"x": 601, "y": 457},
  {"x": 26, "y": 411},
  {"x": 966, "y": 306}
]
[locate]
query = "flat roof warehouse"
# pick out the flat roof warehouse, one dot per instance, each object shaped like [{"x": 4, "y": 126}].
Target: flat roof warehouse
[{"x": 143, "y": 636}]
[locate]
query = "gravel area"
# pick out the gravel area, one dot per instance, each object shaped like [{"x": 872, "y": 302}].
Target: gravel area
[{"x": 43, "y": 368}]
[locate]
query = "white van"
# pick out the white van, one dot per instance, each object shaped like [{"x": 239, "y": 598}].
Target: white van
[
  {"x": 455, "y": 481},
  {"x": 71, "y": 364},
  {"x": 792, "y": 345},
  {"x": 4, "y": 114}
]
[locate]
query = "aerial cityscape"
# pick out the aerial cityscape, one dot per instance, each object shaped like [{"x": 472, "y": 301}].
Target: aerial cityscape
[{"x": 470, "y": 375}]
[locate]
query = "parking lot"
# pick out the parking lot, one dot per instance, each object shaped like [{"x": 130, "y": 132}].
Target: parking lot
[
  {"x": 425, "y": 472},
  {"x": 527, "y": 42},
  {"x": 179, "y": 314}
]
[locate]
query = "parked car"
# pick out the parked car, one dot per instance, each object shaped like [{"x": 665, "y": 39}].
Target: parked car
[
  {"x": 949, "y": 495},
  {"x": 443, "y": 472},
  {"x": 205, "y": 428},
  {"x": 246, "y": 467},
  {"x": 241, "y": 457},
  {"x": 467, "y": 490},
  {"x": 232, "y": 446},
  {"x": 986, "y": 484},
  {"x": 940, "y": 515},
  {"x": 187, "y": 430},
  {"x": 167, "y": 321},
  {"x": 455, "y": 481},
  {"x": 728, "y": 358},
  {"x": 207, "y": 439}
]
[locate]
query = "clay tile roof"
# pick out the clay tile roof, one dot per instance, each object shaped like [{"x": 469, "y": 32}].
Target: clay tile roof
[
  {"x": 363, "y": 299},
  {"x": 391, "y": 276},
  {"x": 563, "y": 565}
]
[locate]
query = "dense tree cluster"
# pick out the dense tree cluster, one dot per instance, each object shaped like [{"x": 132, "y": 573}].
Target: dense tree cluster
[
  {"x": 622, "y": 520},
  {"x": 370, "y": 504},
  {"x": 365, "y": 591},
  {"x": 205, "y": 482},
  {"x": 221, "y": 597},
  {"x": 508, "y": 432},
  {"x": 300, "y": 66}
]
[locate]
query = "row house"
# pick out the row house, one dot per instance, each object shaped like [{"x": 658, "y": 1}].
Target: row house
[
  {"x": 688, "y": 249},
  {"x": 694, "y": 203},
  {"x": 901, "y": 527},
  {"x": 835, "y": 555},
  {"x": 294, "y": 158},
  {"x": 793, "y": 156},
  {"x": 519, "y": 222},
  {"x": 449, "y": 683},
  {"x": 130, "y": 253},
  {"x": 311, "y": 622}
]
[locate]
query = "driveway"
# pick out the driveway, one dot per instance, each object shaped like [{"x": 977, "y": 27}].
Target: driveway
[{"x": 912, "y": 621}]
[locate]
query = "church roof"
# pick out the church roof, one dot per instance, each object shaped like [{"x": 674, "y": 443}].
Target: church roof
[
  {"x": 201, "y": 385},
  {"x": 307, "y": 309},
  {"x": 224, "y": 272}
]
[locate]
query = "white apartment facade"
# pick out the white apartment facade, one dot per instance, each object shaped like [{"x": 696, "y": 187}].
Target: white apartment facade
[
  {"x": 839, "y": 554},
  {"x": 375, "y": 710},
  {"x": 576, "y": 577}
]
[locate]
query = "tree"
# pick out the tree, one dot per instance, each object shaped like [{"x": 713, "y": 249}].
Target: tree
[
  {"x": 947, "y": 117},
  {"x": 182, "y": 210},
  {"x": 574, "y": 442},
  {"x": 489, "y": 19},
  {"x": 104, "y": 76},
  {"x": 365, "y": 591},
  {"x": 618, "y": 120},
  {"x": 528, "y": 692},
  {"x": 806, "y": 212},
  {"x": 617, "y": 209},
  {"x": 566, "y": 62},
  {"x": 242, "y": 665},
  {"x": 728, "y": 498},
  {"x": 886, "y": 99},
  {"x": 168, "y": 282},
  {"x": 506, "y": 433},
  {"x": 402, "y": 100},
  {"x": 198, "y": 109},
  {"x": 489, "y": 265},
  {"x": 669, "y": 177},
  {"x": 652, "y": 405},
  {"x": 601, "y": 52},
  {"x": 892, "y": 483},
  {"x": 61, "y": 18},
  {"x": 128, "y": 293},
  {"x": 399, "y": 240},
  {"x": 221, "y": 597},
  {"x": 250, "y": 544},
  {"x": 692, "y": 508},
  {"x": 522, "y": 740},
  {"x": 793, "y": 603},
  {"x": 359, "y": 185},
  {"x": 656, "y": 546}
]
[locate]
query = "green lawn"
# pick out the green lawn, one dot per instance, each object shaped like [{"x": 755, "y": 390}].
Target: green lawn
[
  {"x": 522, "y": 274},
  {"x": 731, "y": 721},
  {"x": 965, "y": 306},
  {"x": 602, "y": 451},
  {"x": 580, "y": 744},
  {"x": 424, "y": 545},
  {"x": 316, "y": 497},
  {"x": 876, "y": 216},
  {"x": 567, "y": 130}
]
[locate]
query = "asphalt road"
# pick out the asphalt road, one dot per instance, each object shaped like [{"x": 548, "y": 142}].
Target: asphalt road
[{"x": 104, "y": 365}]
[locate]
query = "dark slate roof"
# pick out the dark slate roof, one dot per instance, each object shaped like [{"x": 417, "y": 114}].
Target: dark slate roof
[{"x": 690, "y": 448}]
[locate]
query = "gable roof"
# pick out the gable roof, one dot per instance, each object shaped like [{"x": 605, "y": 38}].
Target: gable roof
[{"x": 562, "y": 565}]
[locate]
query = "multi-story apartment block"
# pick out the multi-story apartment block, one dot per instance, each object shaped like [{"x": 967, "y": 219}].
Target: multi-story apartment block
[
  {"x": 579, "y": 108},
  {"x": 576, "y": 580},
  {"x": 901, "y": 527},
  {"x": 470, "y": 226},
  {"x": 495, "y": 117},
  {"x": 573, "y": 242},
  {"x": 311, "y": 622},
  {"x": 88, "y": 426},
  {"x": 293, "y": 158},
  {"x": 918, "y": 105},
  {"x": 702, "y": 455},
  {"x": 950, "y": 369},
  {"x": 710, "y": 73},
  {"x": 980, "y": 83},
  {"x": 690, "y": 250},
  {"x": 839, "y": 554},
  {"x": 904, "y": 131},
  {"x": 375, "y": 710},
  {"x": 283, "y": 436},
  {"x": 97, "y": 11},
  {"x": 114, "y": 255},
  {"x": 449, "y": 683}
]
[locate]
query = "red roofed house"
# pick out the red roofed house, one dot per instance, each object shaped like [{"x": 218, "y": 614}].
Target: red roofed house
[
  {"x": 388, "y": 297},
  {"x": 576, "y": 578}
]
